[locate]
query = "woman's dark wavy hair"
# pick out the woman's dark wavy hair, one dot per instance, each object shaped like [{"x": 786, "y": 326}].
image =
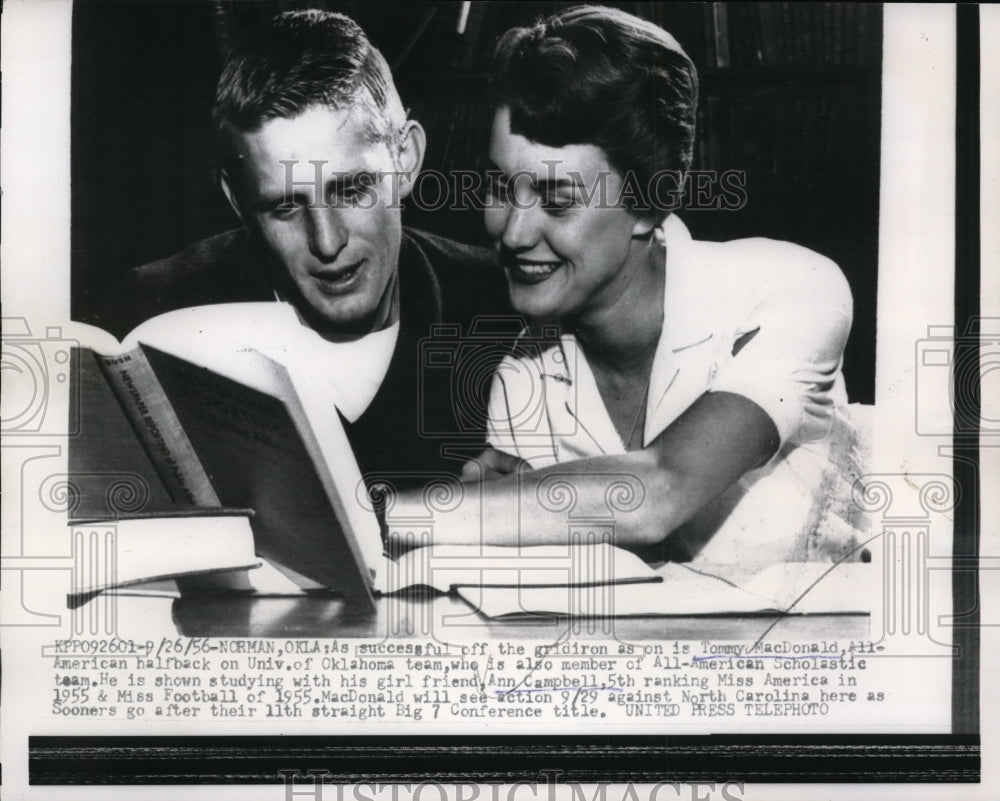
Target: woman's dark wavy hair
[
  {"x": 296, "y": 61},
  {"x": 600, "y": 76}
]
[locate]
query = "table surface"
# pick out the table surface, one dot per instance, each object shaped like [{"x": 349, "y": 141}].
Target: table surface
[{"x": 447, "y": 618}]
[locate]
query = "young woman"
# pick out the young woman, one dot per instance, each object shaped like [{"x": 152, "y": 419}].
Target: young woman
[{"x": 664, "y": 381}]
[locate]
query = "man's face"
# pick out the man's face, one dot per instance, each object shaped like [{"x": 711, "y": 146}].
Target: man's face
[{"x": 321, "y": 196}]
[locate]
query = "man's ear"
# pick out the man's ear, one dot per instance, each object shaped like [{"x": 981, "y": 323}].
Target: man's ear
[
  {"x": 413, "y": 144},
  {"x": 227, "y": 189}
]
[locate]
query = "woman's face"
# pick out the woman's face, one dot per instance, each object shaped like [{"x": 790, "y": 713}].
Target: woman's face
[{"x": 565, "y": 240}]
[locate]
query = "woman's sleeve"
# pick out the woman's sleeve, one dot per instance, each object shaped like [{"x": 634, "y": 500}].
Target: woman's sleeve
[{"x": 789, "y": 345}]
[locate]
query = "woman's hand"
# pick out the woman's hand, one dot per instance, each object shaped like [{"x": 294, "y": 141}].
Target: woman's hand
[{"x": 491, "y": 464}]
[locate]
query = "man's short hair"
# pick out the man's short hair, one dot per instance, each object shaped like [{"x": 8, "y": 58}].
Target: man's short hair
[
  {"x": 300, "y": 60},
  {"x": 599, "y": 76}
]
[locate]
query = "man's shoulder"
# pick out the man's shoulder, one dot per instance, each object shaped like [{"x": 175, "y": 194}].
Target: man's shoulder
[
  {"x": 446, "y": 255},
  {"x": 218, "y": 269},
  {"x": 205, "y": 257},
  {"x": 469, "y": 279}
]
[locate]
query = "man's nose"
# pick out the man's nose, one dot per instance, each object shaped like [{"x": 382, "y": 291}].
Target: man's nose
[
  {"x": 327, "y": 233},
  {"x": 521, "y": 228}
]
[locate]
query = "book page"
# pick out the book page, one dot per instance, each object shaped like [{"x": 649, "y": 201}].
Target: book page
[
  {"x": 154, "y": 421},
  {"x": 256, "y": 442}
]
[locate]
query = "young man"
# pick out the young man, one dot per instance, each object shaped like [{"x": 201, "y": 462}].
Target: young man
[{"x": 317, "y": 154}]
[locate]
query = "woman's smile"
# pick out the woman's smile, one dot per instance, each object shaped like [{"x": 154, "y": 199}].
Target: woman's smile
[{"x": 530, "y": 271}]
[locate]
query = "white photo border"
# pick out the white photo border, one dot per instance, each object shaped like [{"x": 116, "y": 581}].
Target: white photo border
[{"x": 917, "y": 238}]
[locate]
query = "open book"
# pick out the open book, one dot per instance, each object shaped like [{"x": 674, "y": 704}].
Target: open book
[{"x": 228, "y": 425}]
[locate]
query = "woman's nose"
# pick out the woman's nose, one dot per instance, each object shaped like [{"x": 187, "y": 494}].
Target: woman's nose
[{"x": 520, "y": 230}]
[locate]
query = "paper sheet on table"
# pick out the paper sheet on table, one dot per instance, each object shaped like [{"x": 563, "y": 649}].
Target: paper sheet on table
[
  {"x": 811, "y": 588},
  {"x": 686, "y": 591}
]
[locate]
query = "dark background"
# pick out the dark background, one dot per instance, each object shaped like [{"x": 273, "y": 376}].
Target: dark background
[{"x": 790, "y": 94}]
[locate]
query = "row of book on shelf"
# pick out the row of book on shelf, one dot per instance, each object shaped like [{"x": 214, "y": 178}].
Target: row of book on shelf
[
  {"x": 778, "y": 134},
  {"x": 790, "y": 34}
]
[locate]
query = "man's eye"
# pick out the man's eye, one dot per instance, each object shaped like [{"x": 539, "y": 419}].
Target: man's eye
[
  {"x": 359, "y": 189},
  {"x": 353, "y": 194},
  {"x": 558, "y": 205},
  {"x": 285, "y": 211},
  {"x": 348, "y": 193}
]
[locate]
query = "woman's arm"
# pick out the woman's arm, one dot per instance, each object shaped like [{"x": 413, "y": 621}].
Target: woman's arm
[{"x": 709, "y": 447}]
